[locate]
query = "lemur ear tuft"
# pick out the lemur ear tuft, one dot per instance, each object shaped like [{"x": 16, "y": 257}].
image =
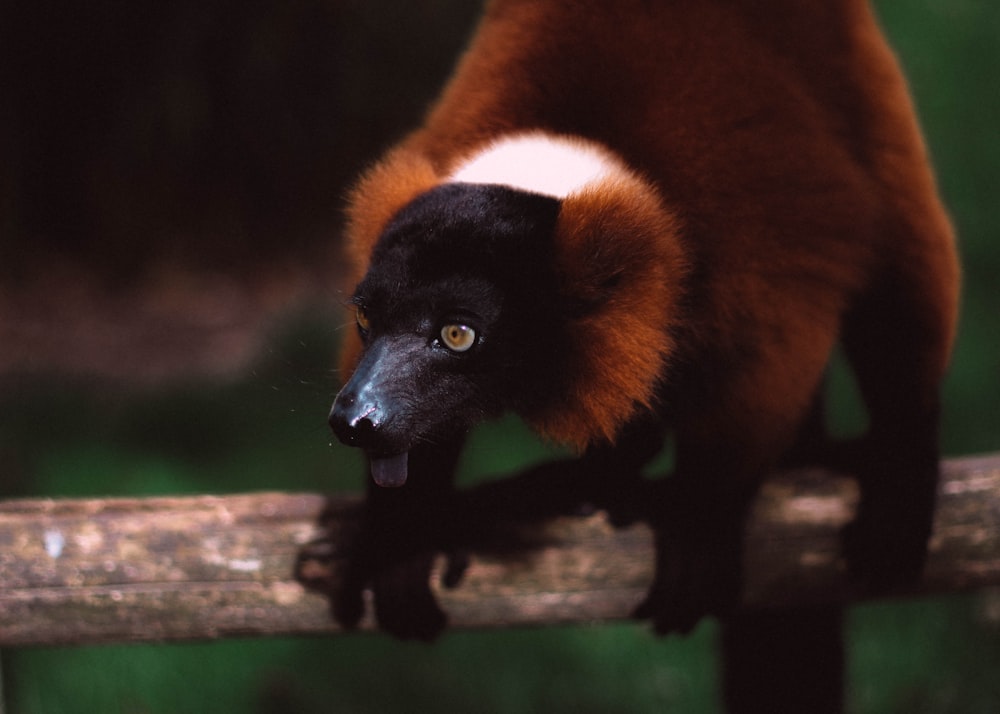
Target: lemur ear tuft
[
  {"x": 621, "y": 270},
  {"x": 378, "y": 196},
  {"x": 616, "y": 240}
]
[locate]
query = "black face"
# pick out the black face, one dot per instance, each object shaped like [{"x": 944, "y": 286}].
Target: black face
[{"x": 459, "y": 300}]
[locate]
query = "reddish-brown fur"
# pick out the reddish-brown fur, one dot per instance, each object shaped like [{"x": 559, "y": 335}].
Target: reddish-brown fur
[
  {"x": 771, "y": 196},
  {"x": 783, "y": 162},
  {"x": 615, "y": 230}
]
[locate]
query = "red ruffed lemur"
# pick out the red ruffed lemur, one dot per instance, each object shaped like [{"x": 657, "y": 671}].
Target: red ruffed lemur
[{"x": 628, "y": 219}]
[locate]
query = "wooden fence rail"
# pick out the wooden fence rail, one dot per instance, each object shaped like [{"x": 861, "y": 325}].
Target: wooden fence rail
[{"x": 203, "y": 567}]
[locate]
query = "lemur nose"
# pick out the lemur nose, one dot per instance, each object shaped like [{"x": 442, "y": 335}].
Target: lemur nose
[{"x": 354, "y": 421}]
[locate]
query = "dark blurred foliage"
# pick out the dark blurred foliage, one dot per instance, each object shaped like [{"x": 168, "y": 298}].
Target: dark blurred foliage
[{"x": 212, "y": 133}]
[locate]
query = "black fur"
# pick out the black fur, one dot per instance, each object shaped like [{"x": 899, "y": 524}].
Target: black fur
[{"x": 454, "y": 255}]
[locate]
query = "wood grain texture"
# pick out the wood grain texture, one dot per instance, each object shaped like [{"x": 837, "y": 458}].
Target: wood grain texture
[{"x": 204, "y": 567}]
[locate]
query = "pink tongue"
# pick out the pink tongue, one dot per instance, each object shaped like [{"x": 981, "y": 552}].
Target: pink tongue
[{"x": 390, "y": 471}]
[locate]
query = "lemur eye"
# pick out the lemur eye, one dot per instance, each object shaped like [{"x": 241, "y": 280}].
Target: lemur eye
[
  {"x": 363, "y": 322},
  {"x": 458, "y": 338}
]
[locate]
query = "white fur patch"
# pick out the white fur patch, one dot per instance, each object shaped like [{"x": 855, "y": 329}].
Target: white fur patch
[{"x": 538, "y": 163}]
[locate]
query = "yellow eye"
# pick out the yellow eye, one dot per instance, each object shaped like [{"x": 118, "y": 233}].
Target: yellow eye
[
  {"x": 363, "y": 322},
  {"x": 458, "y": 338}
]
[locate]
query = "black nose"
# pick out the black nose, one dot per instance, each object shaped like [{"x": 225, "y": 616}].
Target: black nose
[{"x": 355, "y": 422}]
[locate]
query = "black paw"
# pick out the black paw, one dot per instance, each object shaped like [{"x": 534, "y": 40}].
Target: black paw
[
  {"x": 455, "y": 566},
  {"x": 319, "y": 567},
  {"x": 347, "y": 604},
  {"x": 884, "y": 557},
  {"x": 323, "y": 568},
  {"x": 404, "y": 604},
  {"x": 692, "y": 582},
  {"x": 678, "y": 610}
]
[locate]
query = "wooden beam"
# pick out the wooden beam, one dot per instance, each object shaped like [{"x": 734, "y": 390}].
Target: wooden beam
[{"x": 203, "y": 567}]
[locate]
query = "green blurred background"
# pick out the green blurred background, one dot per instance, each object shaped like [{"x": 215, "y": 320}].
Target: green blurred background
[{"x": 170, "y": 184}]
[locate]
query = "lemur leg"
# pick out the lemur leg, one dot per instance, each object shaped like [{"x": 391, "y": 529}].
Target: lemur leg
[{"x": 898, "y": 341}]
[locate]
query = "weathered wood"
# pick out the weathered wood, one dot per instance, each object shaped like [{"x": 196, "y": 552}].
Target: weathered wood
[{"x": 86, "y": 571}]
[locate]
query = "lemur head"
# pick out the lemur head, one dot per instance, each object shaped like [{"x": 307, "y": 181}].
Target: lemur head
[{"x": 485, "y": 293}]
